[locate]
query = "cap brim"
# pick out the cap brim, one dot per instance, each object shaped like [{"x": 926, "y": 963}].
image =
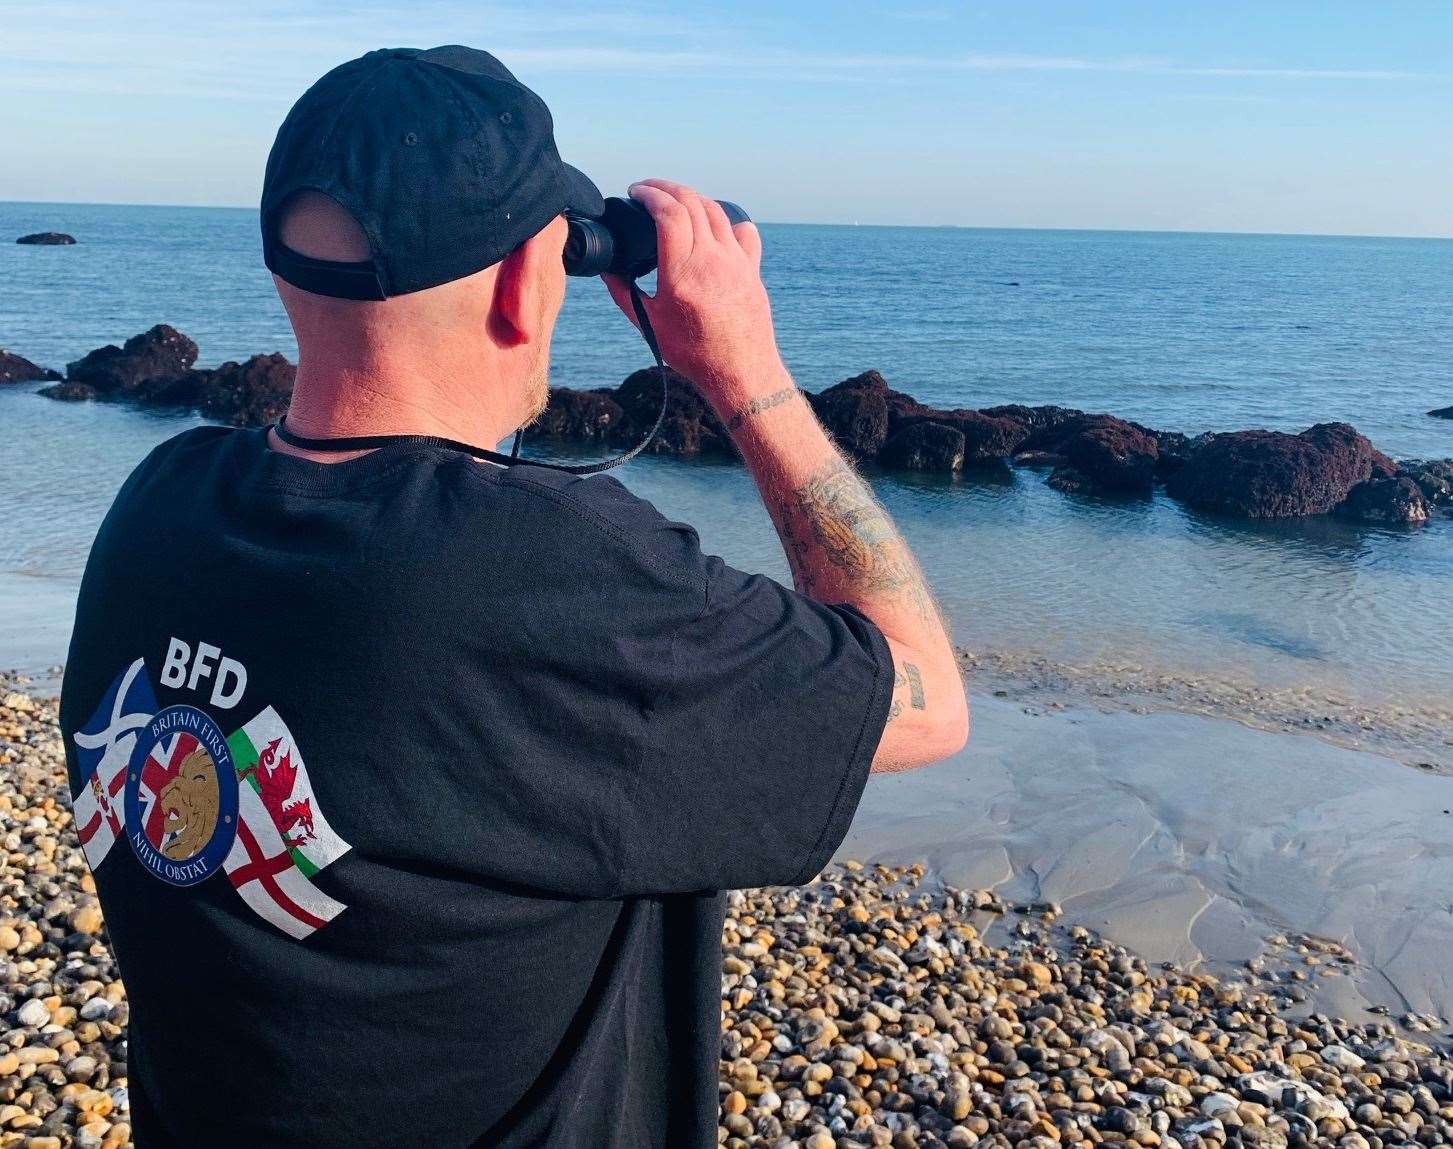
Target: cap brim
[{"x": 581, "y": 194}]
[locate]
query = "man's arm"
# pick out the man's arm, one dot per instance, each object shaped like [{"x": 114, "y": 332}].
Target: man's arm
[{"x": 714, "y": 324}]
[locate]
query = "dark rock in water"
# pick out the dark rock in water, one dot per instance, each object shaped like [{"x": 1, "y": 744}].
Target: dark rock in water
[
  {"x": 163, "y": 353},
  {"x": 183, "y": 390},
  {"x": 1072, "y": 482},
  {"x": 47, "y": 239},
  {"x": 69, "y": 392},
  {"x": 690, "y": 426},
  {"x": 987, "y": 438},
  {"x": 1396, "y": 501},
  {"x": 1112, "y": 455},
  {"x": 1038, "y": 459},
  {"x": 1173, "y": 449},
  {"x": 249, "y": 394},
  {"x": 1442, "y": 413},
  {"x": 1272, "y": 474},
  {"x": 581, "y": 416},
  {"x": 925, "y": 447},
  {"x": 18, "y": 369},
  {"x": 1434, "y": 478},
  {"x": 855, "y": 413},
  {"x": 1039, "y": 421}
]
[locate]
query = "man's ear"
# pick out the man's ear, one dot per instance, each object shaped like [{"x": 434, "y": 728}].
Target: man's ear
[{"x": 519, "y": 315}]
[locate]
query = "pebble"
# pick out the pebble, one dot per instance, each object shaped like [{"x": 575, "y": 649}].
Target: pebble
[
  {"x": 909, "y": 1027},
  {"x": 62, "y": 1003},
  {"x": 862, "y": 1011}
]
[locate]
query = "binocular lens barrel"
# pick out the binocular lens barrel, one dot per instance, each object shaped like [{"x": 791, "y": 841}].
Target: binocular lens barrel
[{"x": 622, "y": 241}]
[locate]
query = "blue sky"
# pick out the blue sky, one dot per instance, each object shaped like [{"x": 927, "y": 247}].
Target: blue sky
[{"x": 1198, "y": 115}]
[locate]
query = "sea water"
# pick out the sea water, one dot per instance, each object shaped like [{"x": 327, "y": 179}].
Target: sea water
[{"x": 1184, "y": 332}]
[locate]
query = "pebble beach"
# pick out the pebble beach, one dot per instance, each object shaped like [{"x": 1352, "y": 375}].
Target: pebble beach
[{"x": 876, "y": 1006}]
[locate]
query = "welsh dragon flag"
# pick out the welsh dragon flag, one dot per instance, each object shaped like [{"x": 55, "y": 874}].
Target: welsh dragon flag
[{"x": 282, "y": 837}]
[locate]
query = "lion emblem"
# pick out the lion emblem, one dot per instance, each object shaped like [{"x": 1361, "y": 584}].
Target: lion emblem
[{"x": 189, "y": 805}]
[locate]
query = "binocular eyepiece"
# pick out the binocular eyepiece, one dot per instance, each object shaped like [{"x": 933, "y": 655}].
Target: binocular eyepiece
[{"x": 622, "y": 241}]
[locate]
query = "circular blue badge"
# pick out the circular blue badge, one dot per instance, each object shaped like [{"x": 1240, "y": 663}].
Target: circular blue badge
[{"x": 181, "y": 796}]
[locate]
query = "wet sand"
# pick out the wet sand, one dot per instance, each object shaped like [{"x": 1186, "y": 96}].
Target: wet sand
[{"x": 1194, "y": 840}]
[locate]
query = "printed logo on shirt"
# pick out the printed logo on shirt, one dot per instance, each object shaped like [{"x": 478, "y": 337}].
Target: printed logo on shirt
[
  {"x": 181, "y": 796},
  {"x": 191, "y": 800}
]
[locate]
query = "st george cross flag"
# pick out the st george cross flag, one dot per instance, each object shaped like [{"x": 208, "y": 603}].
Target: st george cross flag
[
  {"x": 103, "y": 748},
  {"x": 282, "y": 837},
  {"x": 262, "y": 869}
]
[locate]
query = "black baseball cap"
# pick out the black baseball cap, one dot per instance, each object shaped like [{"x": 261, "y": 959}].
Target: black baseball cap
[{"x": 445, "y": 160}]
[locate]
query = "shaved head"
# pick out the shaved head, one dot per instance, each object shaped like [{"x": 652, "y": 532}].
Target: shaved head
[{"x": 481, "y": 341}]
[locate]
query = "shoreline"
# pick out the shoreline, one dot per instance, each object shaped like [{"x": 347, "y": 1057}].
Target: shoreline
[
  {"x": 875, "y": 1006},
  {"x": 1416, "y": 735}
]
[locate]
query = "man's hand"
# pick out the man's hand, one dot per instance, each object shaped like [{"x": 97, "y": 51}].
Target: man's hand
[{"x": 710, "y": 311}]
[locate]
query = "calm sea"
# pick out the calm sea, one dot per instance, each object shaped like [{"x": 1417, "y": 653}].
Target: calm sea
[{"x": 1183, "y": 332}]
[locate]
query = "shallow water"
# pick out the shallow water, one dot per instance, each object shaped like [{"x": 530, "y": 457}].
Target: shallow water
[{"x": 1189, "y": 332}]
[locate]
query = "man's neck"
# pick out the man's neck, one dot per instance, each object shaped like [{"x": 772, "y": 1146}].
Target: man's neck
[{"x": 340, "y": 404}]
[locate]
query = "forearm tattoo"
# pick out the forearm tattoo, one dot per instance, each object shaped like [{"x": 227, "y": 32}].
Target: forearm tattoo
[
  {"x": 764, "y": 403},
  {"x": 835, "y": 512}
]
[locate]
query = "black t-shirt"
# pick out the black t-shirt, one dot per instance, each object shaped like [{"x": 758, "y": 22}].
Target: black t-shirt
[{"x": 409, "y": 783}]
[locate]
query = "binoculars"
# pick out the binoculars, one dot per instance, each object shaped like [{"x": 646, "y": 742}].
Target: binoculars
[{"x": 622, "y": 241}]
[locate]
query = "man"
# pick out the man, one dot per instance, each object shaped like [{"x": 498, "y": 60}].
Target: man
[{"x": 474, "y": 747}]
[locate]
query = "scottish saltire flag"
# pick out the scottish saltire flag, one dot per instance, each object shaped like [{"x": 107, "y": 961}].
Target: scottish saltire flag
[
  {"x": 282, "y": 837},
  {"x": 103, "y": 749}
]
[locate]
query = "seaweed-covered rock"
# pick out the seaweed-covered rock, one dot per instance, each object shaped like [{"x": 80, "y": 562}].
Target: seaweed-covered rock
[
  {"x": 18, "y": 369},
  {"x": 47, "y": 239},
  {"x": 1113, "y": 456},
  {"x": 184, "y": 390},
  {"x": 987, "y": 438},
  {"x": 1434, "y": 478},
  {"x": 69, "y": 392},
  {"x": 248, "y": 394},
  {"x": 924, "y": 447},
  {"x": 163, "y": 353},
  {"x": 1039, "y": 422},
  {"x": 1272, "y": 474},
  {"x": 1173, "y": 451},
  {"x": 1396, "y": 502},
  {"x": 855, "y": 413},
  {"x": 690, "y": 427},
  {"x": 581, "y": 416}
]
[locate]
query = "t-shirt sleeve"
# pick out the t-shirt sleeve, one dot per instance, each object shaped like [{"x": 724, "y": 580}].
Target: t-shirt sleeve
[{"x": 761, "y": 708}]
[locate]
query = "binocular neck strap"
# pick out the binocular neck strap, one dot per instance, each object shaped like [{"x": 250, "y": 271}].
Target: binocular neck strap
[{"x": 369, "y": 442}]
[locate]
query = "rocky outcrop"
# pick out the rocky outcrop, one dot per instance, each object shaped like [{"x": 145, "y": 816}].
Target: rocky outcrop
[
  {"x": 18, "y": 369},
  {"x": 248, "y": 394},
  {"x": 47, "y": 239},
  {"x": 1248, "y": 474},
  {"x": 69, "y": 392},
  {"x": 855, "y": 413},
  {"x": 690, "y": 426},
  {"x": 1389, "y": 501},
  {"x": 621, "y": 416},
  {"x": 1111, "y": 454},
  {"x": 149, "y": 361},
  {"x": 925, "y": 446},
  {"x": 1271, "y": 474},
  {"x": 579, "y": 417},
  {"x": 1442, "y": 413},
  {"x": 1434, "y": 478}
]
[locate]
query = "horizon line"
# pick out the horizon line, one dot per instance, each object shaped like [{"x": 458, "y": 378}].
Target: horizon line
[{"x": 1444, "y": 237}]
